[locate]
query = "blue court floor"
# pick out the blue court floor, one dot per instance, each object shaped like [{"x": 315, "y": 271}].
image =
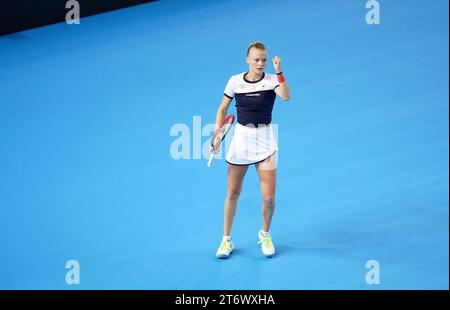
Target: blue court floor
[{"x": 86, "y": 171}]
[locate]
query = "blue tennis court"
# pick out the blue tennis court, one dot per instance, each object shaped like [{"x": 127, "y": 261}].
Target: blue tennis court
[{"x": 87, "y": 173}]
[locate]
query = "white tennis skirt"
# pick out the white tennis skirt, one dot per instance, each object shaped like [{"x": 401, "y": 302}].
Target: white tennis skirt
[{"x": 251, "y": 145}]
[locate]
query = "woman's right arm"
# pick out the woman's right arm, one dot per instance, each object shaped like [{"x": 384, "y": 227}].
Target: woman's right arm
[
  {"x": 222, "y": 110},
  {"x": 220, "y": 116}
]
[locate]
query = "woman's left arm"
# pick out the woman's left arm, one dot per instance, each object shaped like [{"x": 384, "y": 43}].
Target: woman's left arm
[{"x": 283, "y": 89}]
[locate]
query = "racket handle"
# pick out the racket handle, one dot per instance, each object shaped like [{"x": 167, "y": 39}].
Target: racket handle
[{"x": 210, "y": 160}]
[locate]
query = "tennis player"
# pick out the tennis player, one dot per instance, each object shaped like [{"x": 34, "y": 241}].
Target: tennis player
[{"x": 253, "y": 140}]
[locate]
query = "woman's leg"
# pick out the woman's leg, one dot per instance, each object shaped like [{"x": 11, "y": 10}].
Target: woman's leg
[
  {"x": 235, "y": 178},
  {"x": 267, "y": 172}
]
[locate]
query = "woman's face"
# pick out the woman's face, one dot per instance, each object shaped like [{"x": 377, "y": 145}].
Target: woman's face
[{"x": 257, "y": 60}]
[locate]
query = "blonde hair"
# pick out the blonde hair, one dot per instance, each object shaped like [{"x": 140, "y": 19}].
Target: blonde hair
[{"x": 258, "y": 45}]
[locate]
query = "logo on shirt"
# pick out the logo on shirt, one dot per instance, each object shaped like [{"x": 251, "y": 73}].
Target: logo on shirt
[
  {"x": 243, "y": 87},
  {"x": 253, "y": 95}
]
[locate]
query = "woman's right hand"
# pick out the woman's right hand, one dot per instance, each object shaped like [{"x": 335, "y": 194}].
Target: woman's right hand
[{"x": 211, "y": 149}]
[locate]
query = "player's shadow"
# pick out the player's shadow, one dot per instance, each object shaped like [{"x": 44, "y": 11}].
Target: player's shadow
[
  {"x": 284, "y": 249},
  {"x": 238, "y": 251},
  {"x": 287, "y": 249}
]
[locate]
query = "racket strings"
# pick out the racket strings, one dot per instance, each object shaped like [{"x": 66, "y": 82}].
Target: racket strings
[{"x": 221, "y": 134}]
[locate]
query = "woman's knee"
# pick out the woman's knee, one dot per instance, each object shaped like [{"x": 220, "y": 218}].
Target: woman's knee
[
  {"x": 233, "y": 193},
  {"x": 269, "y": 200}
]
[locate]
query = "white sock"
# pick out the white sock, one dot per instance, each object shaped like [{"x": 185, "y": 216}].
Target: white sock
[
  {"x": 227, "y": 238},
  {"x": 264, "y": 233}
]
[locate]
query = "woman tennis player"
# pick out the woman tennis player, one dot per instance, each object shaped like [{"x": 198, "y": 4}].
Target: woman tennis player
[{"x": 253, "y": 140}]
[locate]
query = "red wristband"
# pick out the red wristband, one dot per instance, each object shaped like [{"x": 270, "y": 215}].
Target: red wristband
[{"x": 280, "y": 78}]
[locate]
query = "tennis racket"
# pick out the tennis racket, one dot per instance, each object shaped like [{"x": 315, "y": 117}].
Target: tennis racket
[{"x": 219, "y": 135}]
